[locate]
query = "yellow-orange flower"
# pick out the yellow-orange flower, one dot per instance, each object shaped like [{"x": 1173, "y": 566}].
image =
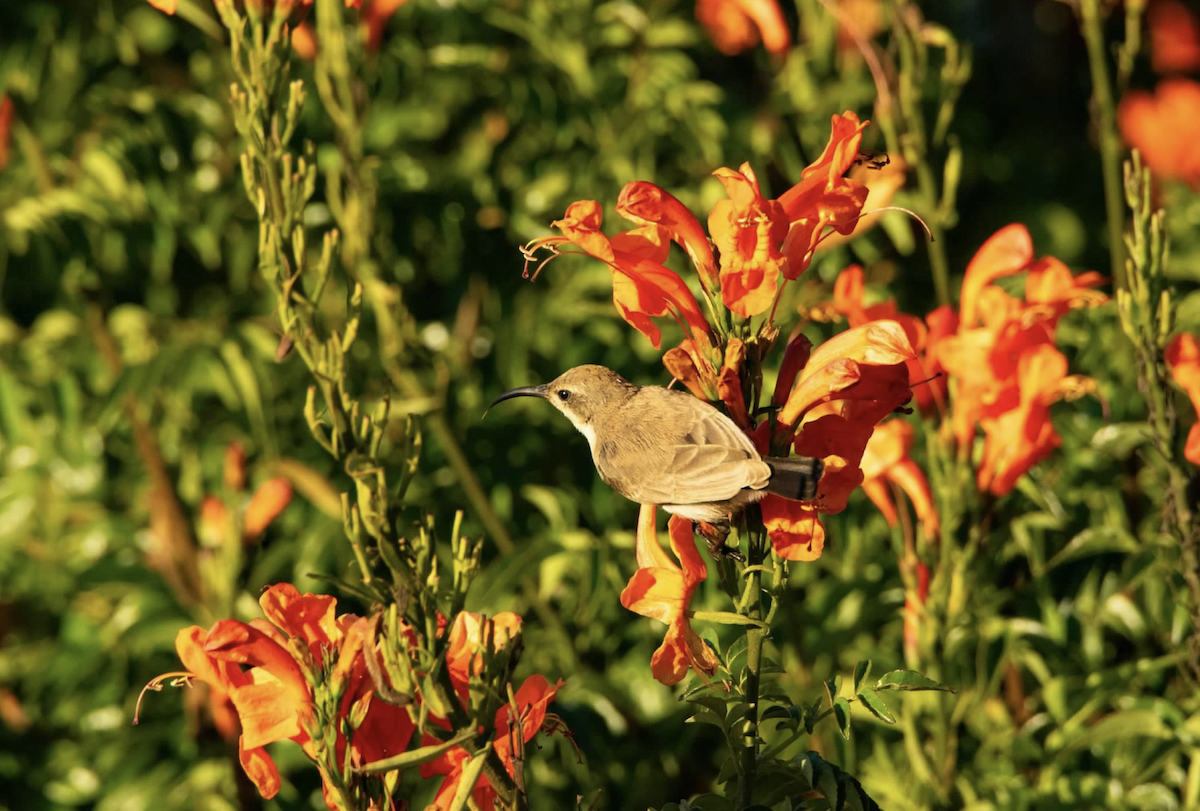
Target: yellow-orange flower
[
  {"x": 924, "y": 336},
  {"x": 748, "y": 231},
  {"x": 1003, "y": 358},
  {"x": 735, "y": 26},
  {"x": 887, "y": 460},
  {"x": 1165, "y": 127},
  {"x": 267, "y": 503},
  {"x": 662, "y": 589},
  {"x": 469, "y": 636},
  {"x": 642, "y": 287},
  {"x": 1183, "y": 359}
]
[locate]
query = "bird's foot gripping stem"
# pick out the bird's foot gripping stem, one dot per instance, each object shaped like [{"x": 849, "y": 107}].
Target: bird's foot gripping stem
[{"x": 715, "y": 535}]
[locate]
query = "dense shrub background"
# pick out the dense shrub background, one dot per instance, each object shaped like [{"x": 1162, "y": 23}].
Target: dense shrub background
[{"x": 128, "y": 287}]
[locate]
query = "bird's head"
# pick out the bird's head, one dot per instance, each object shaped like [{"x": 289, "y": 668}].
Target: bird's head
[{"x": 581, "y": 394}]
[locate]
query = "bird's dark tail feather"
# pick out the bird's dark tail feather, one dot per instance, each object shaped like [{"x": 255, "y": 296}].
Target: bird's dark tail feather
[{"x": 795, "y": 478}]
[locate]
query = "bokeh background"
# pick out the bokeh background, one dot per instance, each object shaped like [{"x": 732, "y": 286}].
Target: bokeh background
[{"x": 137, "y": 343}]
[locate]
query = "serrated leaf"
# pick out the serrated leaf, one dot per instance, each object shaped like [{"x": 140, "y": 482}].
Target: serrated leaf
[
  {"x": 909, "y": 680},
  {"x": 861, "y": 671},
  {"x": 841, "y": 711},
  {"x": 871, "y": 700}
]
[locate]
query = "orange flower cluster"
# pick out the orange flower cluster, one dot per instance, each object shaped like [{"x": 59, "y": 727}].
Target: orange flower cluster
[
  {"x": 1183, "y": 359},
  {"x": 1165, "y": 125},
  {"x": 736, "y": 26},
  {"x": 757, "y": 239},
  {"x": 272, "y": 700},
  {"x": 849, "y": 293},
  {"x": 274, "y": 697},
  {"x": 468, "y": 638},
  {"x": 848, "y": 385},
  {"x": 1003, "y": 357},
  {"x": 828, "y": 400}
]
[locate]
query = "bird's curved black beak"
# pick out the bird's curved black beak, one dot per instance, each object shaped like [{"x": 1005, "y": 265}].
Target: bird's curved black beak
[{"x": 523, "y": 391}]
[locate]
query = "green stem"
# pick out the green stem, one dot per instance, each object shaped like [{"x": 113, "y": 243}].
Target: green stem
[
  {"x": 754, "y": 645},
  {"x": 1105, "y": 113},
  {"x": 939, "y": 265}
]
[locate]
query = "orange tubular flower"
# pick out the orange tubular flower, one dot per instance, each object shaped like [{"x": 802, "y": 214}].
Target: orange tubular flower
[
  {"x": 823, "y": 197},
  {"x": 468, "y": 637},
  {"x": 273, "y": 698},
  {"x": 886, "y": 459},
  {"x": 849, "y": 384},
  {"x": 267, "y": 503},
  {"x": 642, "y": 287},
  {"x": 1018, "y": 438},
  {"x": 662, "y": 589},
  {"x": 1183, "y": 359},
  {"x": 1003, "y": 357},
  {"x": 1165, "y": 127},
  {"x": 748, "y": 231},
  {"x": 736, "y": 26},
  {"x": 647, "y": 204},
  {"x": 849, "y": 300},
  {"x": 1174, "y": 37}
]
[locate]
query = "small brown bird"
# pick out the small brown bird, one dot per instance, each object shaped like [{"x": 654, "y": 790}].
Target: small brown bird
[{"x": 669, "y": 448}]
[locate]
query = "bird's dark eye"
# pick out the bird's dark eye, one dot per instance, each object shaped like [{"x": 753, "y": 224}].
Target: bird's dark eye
[{"x": 564, "y": 395}]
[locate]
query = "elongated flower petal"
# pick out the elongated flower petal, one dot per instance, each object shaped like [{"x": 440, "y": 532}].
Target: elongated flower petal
[
  {"x": 261, "y": 770},
  {"x": 1182, "y": 356},
  {"x": 793, "y": 527},
  {"x": 748, "y": 230},
  {"x": 662, "y": 589},
  {"x": 642, "y": 287},
  {"x": 824, "y": 174},
  {"x": 736, "y": 26},
  {"x": 233, "y": 641},
  {"x": 1008, "y": 251},
  {"x": 646, "y": 204}
]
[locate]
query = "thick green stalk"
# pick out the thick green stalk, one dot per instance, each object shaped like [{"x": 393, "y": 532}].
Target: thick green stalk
[{"x": 1105, "y": 113}]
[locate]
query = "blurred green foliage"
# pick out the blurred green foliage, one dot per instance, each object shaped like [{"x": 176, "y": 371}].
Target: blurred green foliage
[{"x": 137, "y": 342}]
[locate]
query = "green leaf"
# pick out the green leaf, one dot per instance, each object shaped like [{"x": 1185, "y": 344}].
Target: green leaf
[
  {"x": 861, "y": 671},
  {"x": 832, "y": 688},
  {"x": 416, "y": 757},
  {"x": 470, "y": 776},
  {"x": 841, "y": 711},
  {"x": 1094, "y": 541},
  {"x": 909, "y": 680},
  {"x": 727, "y": 618},
  {"x": 871, "y": 700},
  {"x": 712, "y": 802}
]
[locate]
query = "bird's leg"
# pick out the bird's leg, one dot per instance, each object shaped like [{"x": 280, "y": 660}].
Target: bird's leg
[{"x": 716, "y": 534}]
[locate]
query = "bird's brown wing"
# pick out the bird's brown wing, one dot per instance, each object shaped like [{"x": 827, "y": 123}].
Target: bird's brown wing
[{"x": 699, "y": 455}]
